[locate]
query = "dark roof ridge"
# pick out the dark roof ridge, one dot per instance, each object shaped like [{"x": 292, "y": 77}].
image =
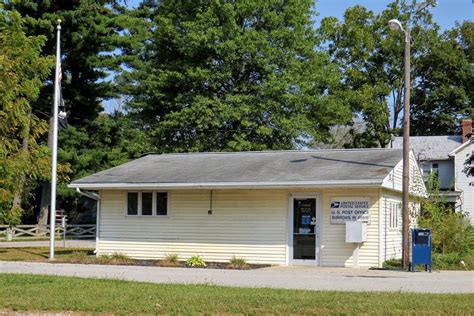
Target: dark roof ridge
[{"x": 270, "y": 151}]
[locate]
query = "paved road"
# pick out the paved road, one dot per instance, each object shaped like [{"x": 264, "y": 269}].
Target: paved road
[
  {"x": 310, "y": 278},
  {"x": 45, "y": 243}
]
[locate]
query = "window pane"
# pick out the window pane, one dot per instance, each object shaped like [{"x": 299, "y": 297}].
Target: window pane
[
  {"x": 147, "y": 203},
  {"x": 132, "y": 203},
  {"x": 161, "y": 203}
]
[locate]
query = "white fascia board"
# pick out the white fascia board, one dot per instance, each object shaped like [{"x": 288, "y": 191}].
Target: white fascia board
[
  {"x": 455, "y": 151},
  {"x": 229, "y": 185},
  {"x": 390, "y": 183},
  {"x": 419, "y": 172}
]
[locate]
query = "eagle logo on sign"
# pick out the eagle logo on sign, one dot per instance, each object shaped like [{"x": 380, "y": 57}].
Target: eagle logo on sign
[{"x": 335, "y": 204}]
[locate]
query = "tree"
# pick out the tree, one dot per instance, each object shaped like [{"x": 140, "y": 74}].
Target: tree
[
  {"x": 443, "y": 94},
  {"x": 22, "y": 69},
  {"x": 224, "y": 75},
  {"x": 110, "y": 140},
  {"x": 90, "y": 36},
  {"x": 451, "y": 230},
  {"x": 371, "y": 60}
]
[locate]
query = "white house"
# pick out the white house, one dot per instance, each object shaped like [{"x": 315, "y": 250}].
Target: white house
[
  {"x": 446, "y": 156},
  {"x": 463, "y": 183},
  {"x": 277, "y": 207}
]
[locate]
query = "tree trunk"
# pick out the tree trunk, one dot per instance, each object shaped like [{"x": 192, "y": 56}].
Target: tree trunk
[
  {"x": 397, "y": 105},
  {"x": 46, "y": 189},
  {"x": 44, "y": 207},
  {"x": 19, "y": 192}
]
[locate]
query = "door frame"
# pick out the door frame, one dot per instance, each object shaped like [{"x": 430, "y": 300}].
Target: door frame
[{"x": 317, "y": 229}]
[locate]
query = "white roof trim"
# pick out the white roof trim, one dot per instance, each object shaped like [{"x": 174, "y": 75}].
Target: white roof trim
[
  {"x": 465, "y": 144},
  {"x": 230, "y": 185},
  {"x": 389, "y": 181}
]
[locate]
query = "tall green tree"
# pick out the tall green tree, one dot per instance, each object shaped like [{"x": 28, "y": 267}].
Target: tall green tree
[
  {"x": 22, "y": 71},
  {"x": 231, "y": 75},
  {"x": 444, "y": 91},
  {"x": 370, "y": 57},
  {"x": 110, "y": 140},
  {"x": 90, "y": 35}
]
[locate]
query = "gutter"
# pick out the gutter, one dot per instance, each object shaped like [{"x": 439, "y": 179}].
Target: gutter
[
  {"x": 90, "y": 195},
  {"x": 230, "y": 185}
]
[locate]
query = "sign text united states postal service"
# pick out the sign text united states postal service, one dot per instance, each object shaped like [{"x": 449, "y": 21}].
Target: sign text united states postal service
[{"x": 349, "y": 209}]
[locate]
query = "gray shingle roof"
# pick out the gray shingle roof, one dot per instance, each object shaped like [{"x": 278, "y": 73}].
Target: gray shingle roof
[
  {"x": 430, "y": 147},
  {"x": 361, "y": 165}
]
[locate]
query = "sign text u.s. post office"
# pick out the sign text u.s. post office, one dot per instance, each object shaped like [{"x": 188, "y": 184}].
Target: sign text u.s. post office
[{"x": 346, "y": 209}]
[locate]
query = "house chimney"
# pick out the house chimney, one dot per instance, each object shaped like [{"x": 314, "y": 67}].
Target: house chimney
[{"x": 466, "y": 126}]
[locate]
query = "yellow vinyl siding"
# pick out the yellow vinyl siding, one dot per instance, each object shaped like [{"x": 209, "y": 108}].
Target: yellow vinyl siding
[
  {"x": 334, "y": 249},
  {"x": 250, "y": 224},
  {"x": 391, "y": 240}
]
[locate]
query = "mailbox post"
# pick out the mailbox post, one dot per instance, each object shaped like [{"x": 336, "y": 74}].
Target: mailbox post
[{"x": 421, "y": 248}]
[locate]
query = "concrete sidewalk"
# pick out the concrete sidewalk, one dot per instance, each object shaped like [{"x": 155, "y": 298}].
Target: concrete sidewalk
[
  {"x": 307, "y": 278},
  {"x": 73, "y": 243}
]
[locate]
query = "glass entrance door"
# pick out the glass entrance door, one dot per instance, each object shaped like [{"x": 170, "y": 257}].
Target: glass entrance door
[{"x": 304, "y": 225}]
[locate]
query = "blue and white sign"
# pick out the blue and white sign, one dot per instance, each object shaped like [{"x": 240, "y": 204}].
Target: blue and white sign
[{"x": 349, "y": 209}]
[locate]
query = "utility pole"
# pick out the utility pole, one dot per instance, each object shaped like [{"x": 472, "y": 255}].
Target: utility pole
[
  {"x": 406, "y": 154},
  {"x": 395, "y": 25}
]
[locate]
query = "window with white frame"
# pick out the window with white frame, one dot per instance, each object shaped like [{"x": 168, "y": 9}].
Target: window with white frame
[
  {"x": 427, "y": 168},
  {"x": 147, "y": 203},
  {"x": 394, "y": 211}
]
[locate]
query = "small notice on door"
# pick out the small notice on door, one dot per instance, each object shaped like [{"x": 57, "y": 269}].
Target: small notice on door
[{"x": 349, "y": 209}]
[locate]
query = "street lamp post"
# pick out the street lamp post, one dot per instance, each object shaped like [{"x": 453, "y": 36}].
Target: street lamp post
[{"x": 397, "y": 26}]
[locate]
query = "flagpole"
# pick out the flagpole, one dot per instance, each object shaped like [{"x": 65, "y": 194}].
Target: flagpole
[{"x": 54, "y": 158}]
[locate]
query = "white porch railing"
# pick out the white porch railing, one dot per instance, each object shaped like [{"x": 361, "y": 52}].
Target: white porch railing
[{"x": 33, "y": 231}]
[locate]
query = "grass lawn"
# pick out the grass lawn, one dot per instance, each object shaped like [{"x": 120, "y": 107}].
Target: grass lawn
[
  {"x": 20, "y": 292},
  {"x": 42, "y": 254}
]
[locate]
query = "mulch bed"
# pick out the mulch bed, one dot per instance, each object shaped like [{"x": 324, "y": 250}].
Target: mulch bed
[{"x": 161, "y": 263}]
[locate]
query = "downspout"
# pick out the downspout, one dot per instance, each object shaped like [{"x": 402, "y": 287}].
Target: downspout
[
  {"x": 90, "y": 195},
  {"x": 385, "y": 211},
  {"x": 96, "y": 197}
]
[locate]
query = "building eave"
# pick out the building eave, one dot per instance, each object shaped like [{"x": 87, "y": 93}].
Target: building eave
[
  {"x": 228, "y": 185},
  {"x": 454, "y": 152}
]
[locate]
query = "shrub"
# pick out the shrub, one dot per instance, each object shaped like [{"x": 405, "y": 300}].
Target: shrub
[
  {"x": 393, "y": 264},
  {"x": 79, "y": 256},
  {"x": 196, "y": 261},
  {"x": 104, "y": 259},
  {"x": 114, "y": 258},
  {"x": 119, "y": 256},
  {"x": 238, "y": 263},
  {"x": 453, "y": 261},
  {"x": 11, "y": 217},
  {"x": 171, "y": 260},
  {"x": 451, "y": 230},
  {"x": 450, "y": 261}
]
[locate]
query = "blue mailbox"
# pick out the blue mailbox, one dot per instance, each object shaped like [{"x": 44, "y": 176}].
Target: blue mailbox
[{"x": 421, "y": 248}]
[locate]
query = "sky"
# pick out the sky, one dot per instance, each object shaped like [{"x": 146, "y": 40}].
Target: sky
[{"x": 446, "y": 13}]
